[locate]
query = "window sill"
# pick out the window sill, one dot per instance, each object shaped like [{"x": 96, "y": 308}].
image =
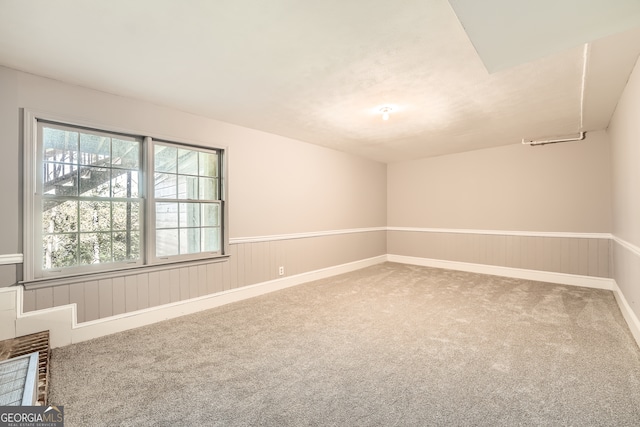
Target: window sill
[{"x": 48, "y": 282}]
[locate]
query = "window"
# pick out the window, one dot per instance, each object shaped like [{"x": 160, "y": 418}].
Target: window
[
  {"x": 186, "y": 186},
  {"x": 101, "y": 201},
  {"x": 90, "y": 202}
]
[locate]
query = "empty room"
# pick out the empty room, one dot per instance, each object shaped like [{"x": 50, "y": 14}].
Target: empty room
[{"x": 335, "y": 213}]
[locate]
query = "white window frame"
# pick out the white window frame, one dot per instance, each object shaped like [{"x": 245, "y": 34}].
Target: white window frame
[
  {"x": 32, "y": 176},
  {"x": 151, "y": 201}
]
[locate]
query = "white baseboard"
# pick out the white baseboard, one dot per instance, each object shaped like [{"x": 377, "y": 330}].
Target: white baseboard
[
  {"x": 516, "y": 273},
  {"x": 64, "y": 330},
  {"x": 628, "y": 314}
]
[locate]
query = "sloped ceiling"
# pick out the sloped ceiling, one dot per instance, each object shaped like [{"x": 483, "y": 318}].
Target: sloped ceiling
[
  {"x": 319, "y": 71},
  {"x": 507, "y": 32}
]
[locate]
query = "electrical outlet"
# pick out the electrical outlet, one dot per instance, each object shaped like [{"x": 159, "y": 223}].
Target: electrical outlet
[{"x": 281, "y": 271}]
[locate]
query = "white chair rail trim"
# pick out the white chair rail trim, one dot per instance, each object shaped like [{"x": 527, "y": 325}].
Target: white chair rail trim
[
  {"x": 559, "y": 234},
  {"x": 11, "y": 259}
]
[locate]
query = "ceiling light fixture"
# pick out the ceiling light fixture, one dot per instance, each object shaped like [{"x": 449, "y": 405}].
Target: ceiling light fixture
[{"x": 385, "y": 111}]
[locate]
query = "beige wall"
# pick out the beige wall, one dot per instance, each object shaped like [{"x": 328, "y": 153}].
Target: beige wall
[
  {"x": 10, "y": 215},
  {"x": 547, "y": 208},
  {"x": 624, "y": 131},
  {"x": 279, "y": 186},
  {"x": 552, "y": 188},
  {"x": 276, "y": 185}
]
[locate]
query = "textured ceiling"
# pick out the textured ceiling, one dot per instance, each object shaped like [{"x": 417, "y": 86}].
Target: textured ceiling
[{"x": 316, "y": 71}]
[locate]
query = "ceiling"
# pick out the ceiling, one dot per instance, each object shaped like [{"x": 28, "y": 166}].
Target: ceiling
[{"x": 319, "y": 71}]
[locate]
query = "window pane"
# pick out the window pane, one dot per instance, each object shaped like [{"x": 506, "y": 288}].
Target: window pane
[
  {"x": 59, "y": 250},
  {"x": 166, "y": 215},
  {"x": 125, "y": 183},
  {"x": 95, "y": 150},
  {"x": 59, "y": 216},
  {"x": 95, "y": 182},
  {"x": 210, "y": 214},
  {"x": 165, "y": 186},
  {"x": 126, "y": 216},
  {"x": 126, "y": 246},
  {"x": 91, "y": 182},
  {"x": 165, "y": 158},
  {"x": 125, "y": 153},
  {"x": 95, "y": 216},
  {"x": 60, "y": 179},
  {"x": 189, "y": 240},
  {"x": 166, "y": 242},
  {"x": 60, "y": 145},
  {"x": 208, "y": 189},
  {"x": 208, "y": 164},
  {"x": 187, "y": 162},
  {"x": 187, "y": 187},
  {"x": 189, "y": 215},
  {"x": 211, "y": 239},
  {"x": 95, "y": 248}
]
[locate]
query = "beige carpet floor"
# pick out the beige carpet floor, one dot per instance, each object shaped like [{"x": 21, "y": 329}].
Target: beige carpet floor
[{"x": 389, "y": 345}]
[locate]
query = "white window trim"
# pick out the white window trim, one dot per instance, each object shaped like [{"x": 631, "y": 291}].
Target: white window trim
[{"x": 31, "y": 174}]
